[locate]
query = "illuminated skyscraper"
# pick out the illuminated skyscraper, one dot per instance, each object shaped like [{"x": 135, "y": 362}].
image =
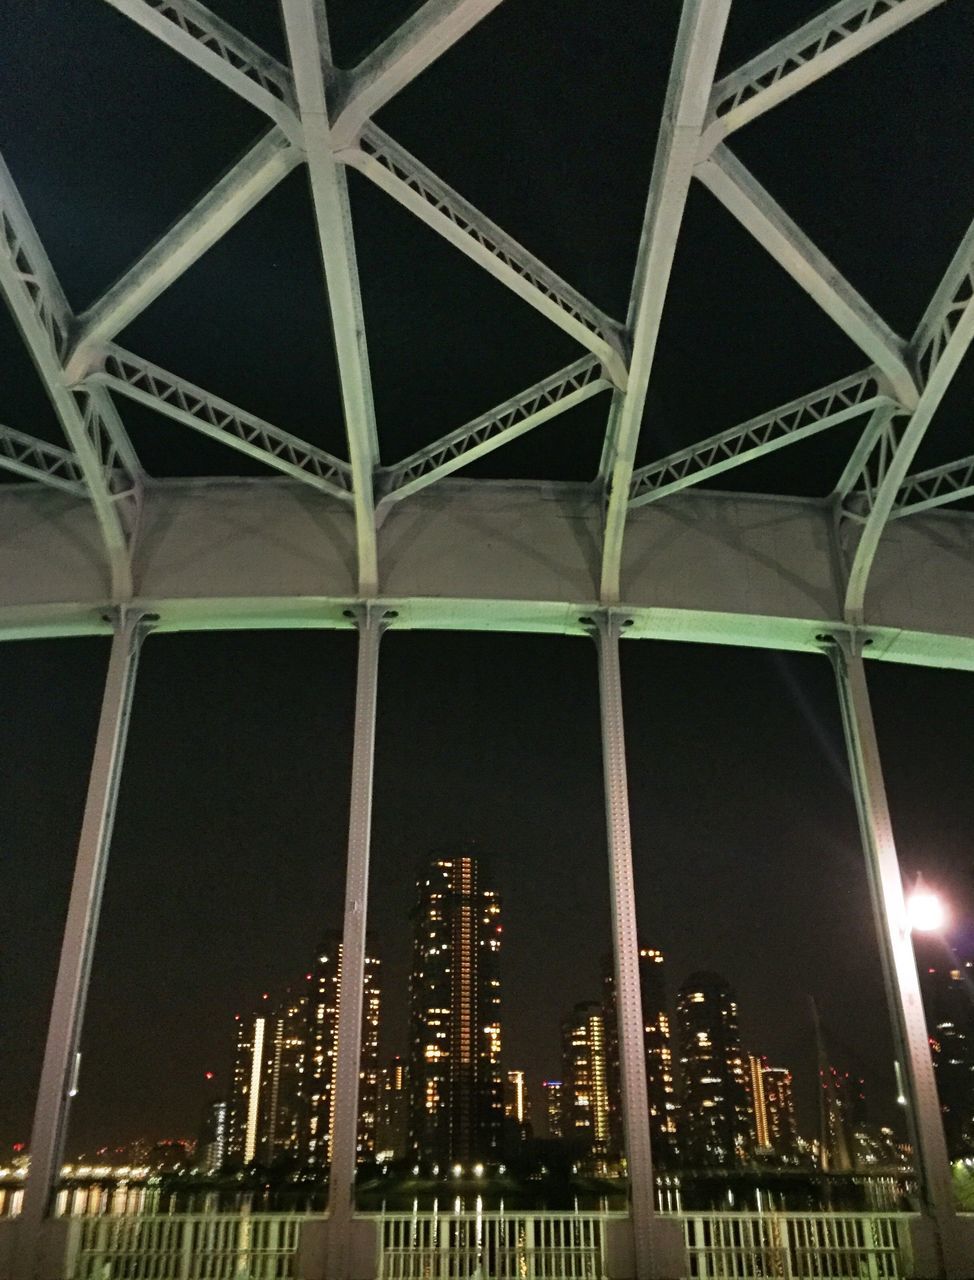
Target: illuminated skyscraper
[
  {"x": 715, "y": 1120},
  {"x": 244, "y": 1112},
  {"x": 323, "y": 1008},
  {"x": 283, "y": 1102},
  {"x": 554, "y": 1107},
  {"x": 584, "y": 1079},
  {"x": 456, "y": 1106},
  {"x": 659, "y": 1057},
  {"x": 211, "y": 1149},
  {"x": 772, "y": 1108},
  {"x": 948, "y": 1001},
  {"x": 392, "y": 1129}
]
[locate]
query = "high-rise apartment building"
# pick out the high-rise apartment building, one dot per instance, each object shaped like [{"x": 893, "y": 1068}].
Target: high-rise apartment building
[
  {"x": 553, "y": 1092},
  {"x": 585, "y": 1093},
  {"x": 282, "y": 1107},
  {"x": 456, "y": 1105},
  {"x": 392, "y": 1128},
  {"x": 322, "y": 1033},
  {"x": 211, "y": 1149},
  {"x": 715, "y": 1115},
  {"x": 947, "y": 985},
  {"x": 772, "y": 1109},
  {"x": 660, "y": 1088},
  {"x": 244, "y": 1110}
]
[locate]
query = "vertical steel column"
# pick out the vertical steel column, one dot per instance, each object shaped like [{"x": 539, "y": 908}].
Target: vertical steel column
[
  {"x": 341, "y": 1184},
  {"x": 59, "y": 1073},
  {"x": 896, "y": 951},
  {"x": 625, "y": 946}
]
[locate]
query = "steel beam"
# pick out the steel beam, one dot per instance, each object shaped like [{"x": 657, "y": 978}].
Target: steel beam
[
  {"x": 341, "y": 1181},
  {"x": 59, "y": 1072},
  {"x": 217, "y": 48},
  {"x": 157, "y": 389},
  {"x": 759, "y": 436},
  {"x": 307, "y": 35},
  {"x": 793, "y": 63},
  {"x": 108, "y": 464},
  {"x": 37, "y": 460},
  {"x": 625, "y": 948},
  {"x": 935, "y": 487},
  {"x": 545, "y": 400},
  {"x": 896, "y": 954},
  {"x": 244, "y": 186},
  {"x": 743, "y": 196},
  {"x": 419, "y": 190},
  {"x": 691, "y": 76},
  {"x": 421, "y": 39},
  {"x": 938, "y": 346}
]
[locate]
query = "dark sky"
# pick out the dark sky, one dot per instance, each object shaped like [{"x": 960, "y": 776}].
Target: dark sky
[{"x": 230, "y": 838}]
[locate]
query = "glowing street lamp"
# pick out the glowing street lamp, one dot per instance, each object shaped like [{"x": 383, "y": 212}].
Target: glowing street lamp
[{"x": 925, "y": 909}]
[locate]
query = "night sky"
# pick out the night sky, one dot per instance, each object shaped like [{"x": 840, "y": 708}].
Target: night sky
[{"x": 228, "y": 857}]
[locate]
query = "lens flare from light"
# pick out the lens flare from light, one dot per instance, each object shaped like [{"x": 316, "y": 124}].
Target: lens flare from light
[{"x": 925, "y": 911}]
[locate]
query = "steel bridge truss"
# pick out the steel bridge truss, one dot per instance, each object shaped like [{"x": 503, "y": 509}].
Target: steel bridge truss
[
  {"x": 321, "y": 116},
  {"x": 338, "y": 542}
]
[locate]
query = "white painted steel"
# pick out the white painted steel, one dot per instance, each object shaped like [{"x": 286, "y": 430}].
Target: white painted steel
[
  {"x": 521, "y": 413},
  {"x": 89, "y": 420},
  {"x": 217, "y": 48},
  {"x": 502, "y": 1246},
  {"x": 625, "y": 949},
  {"x": 698, "y": 44},
  {"x": 35, "y": 459},
  {"x": 812, "y": 51},
  {"x": 744, "y": 197},
  {"x": 798, "y": 1246},
  {"x": 411, "y": 48},
  {"x": 351, "y": 982},
  {"x": 897, "y": 958},
  {"x": 759, "y": 436},
  {"x": 60, "y": 1069},
  {"x": 257, "y": 173},
  {"x": 418, "y": 189},
  {"x": 199, "y": 1246},
  {"x": 307, "y": 35}
]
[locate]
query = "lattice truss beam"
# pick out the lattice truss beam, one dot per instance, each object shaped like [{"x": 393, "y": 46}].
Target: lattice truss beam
[{"x": 321, "y": 116}]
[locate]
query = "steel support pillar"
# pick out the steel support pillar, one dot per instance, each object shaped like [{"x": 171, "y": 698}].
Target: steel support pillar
[
  {"x": 59, "y": 1072},
  {"x": 344, "y": 1140},
  {"x": 625, "y": 947},
  {"x": 899, "y": 963}
]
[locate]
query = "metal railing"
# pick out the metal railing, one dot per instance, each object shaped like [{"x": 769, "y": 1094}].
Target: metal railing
[
  {"x": 495, "y": 1245},
  {"x": 210, "y": 1246},
  {"x": 797, "y": 1246},
  {"x": 492, "y": 1246}
]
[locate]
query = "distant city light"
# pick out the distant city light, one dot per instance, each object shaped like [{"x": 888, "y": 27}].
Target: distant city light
[{"x": 925, "y": 910}]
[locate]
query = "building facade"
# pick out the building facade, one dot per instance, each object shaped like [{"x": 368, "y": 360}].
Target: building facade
[
  {"x": 322, "y": 1041},
  {"x": 947, "y": 985},
  {"x": 715, "y": 1115},
  {"x": 660, "y": 1085},
  {"x": 455, "y": 1081},
  {"x": 585, "y": 1089},
  {"x": 774, "y": 1132}
]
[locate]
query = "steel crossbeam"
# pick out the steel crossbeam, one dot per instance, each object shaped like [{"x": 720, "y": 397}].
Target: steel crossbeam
[
  {"x": 786, "y": 425},
  {"x": 938, "y": 346},
  {"x": 522, "y": 413},
  {"x": 418, "y": 189},
  {"x": 935, "y": 487},
  {"x": 148, "y": 384},
  {"x": 307, "y": 36},
  {"x": 35, "y": 459},
  {"x": 812, "y": 51},
  {"x": 244, "y": 186},
  {"x": 217, "y": 48},
  {"x": 698, "y": 43},
  {"x": 744, "y": 197},
  {"x": 111, "y": 472},
  {"x": 421, "y": 39}
]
